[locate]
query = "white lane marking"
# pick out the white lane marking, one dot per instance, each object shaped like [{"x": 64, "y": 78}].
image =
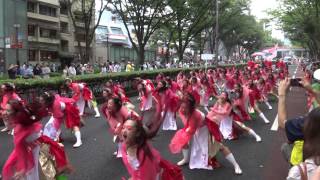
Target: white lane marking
[{"x": 275, "y": 124}]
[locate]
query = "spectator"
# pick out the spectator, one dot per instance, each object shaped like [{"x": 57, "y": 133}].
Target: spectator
[
  {"x": 129, "y": 67},
  {"x": 65, "y": 71},
  {"x": 12, "y": 71},
  {"x": 28, "y": 72},
  {"x": 104, "y": 69},
  {"x": 46, "y": 71},
  {"x": 37, "y": 70},
  {"x": 72, "y": 70}
]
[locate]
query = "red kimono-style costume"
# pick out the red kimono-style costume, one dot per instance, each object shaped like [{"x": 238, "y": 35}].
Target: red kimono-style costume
[
  {"x": 63, "y": 110},
  {"x": 5, "y": 100},
  {"x": 25, "y": 155},
  {"x": 149, "y": 166},
  {"x": 81, "y": 94}
]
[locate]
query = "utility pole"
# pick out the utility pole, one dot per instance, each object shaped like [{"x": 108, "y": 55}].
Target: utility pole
[
  {"x": 217, "y": 32},
  {"x": 16, "y": 26}
]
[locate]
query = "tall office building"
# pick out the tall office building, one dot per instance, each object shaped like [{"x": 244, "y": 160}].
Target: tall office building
[{"x": 51, "y": 32}]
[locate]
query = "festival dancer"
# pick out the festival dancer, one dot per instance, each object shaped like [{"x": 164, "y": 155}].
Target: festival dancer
[
  {"x": 254, "y": 98},
  {"x": 82, "y": 94},
  {"x": 195, "y": 137},
  {"x": 8, "y": 93},
  {"x": 23, "y": 161},
  {"x": 206, "y": 92},
  {"x": 116, "y": 114},
  {"x": 61, "y": 109},
  {"x": 146, "y": 89},
  {"x": 264, "y": 89},
  {"x": 170, "y": 105},
  {"x": 222, "y": 113},
  {"x": 142, "y": 161},
  {"x": 118, "y": 90}
]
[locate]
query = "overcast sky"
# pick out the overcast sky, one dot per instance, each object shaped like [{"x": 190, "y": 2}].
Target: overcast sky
[{"x": 259, "y": 8}]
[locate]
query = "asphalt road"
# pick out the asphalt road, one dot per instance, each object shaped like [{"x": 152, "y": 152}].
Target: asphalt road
[{"x": 259, "y": 161}]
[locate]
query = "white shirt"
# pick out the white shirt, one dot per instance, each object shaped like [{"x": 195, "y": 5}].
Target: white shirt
[
  {"x": 294, "y": 173},
  {"x": 72, "y": 71}
]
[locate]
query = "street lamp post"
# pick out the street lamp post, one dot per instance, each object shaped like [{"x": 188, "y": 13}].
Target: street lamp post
[
  {"x": 217, "y": 31},
  {"x": 17, "y": 26}
]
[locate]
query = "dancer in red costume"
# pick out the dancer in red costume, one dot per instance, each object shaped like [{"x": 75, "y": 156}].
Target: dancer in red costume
[
  {"x": 170, "y": 105},
  {"x": 82, "y": 94},
  {"x": 116, "y": 114},
  {"x": 222, "y": 113},
  {"x": 8, "y": 93},
  {"x": 118, "y": 91},
  {"x": 142, "y": 161},
  {"x": 23, "y": 161},
  {"x": 195, "y": 137},
  {"x": 62, "y": 110},
  {"x": 146, "y": 89},
  {"x": 207, "y": 91},
  {"x": 254, "y": 98}
]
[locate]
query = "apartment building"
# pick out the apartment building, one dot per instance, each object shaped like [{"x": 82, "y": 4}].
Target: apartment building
[{"x": 51, "y": 33}]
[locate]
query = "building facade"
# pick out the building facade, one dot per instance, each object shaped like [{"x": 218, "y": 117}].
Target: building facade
[
  {"x": 51, "y": 33},
  {"x": 13, "y": 33}
]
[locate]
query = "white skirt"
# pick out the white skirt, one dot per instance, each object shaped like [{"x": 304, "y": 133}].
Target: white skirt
[
  {"x": 81, "y": 104},
  {"x": 226, "y": 128},
  {"x": 199, "y": 155},
  {"x": 50, "y": 131},
  {"x": 169, "y": 122}
]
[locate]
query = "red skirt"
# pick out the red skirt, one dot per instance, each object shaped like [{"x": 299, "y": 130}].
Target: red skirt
[{"x": 214, "y": 130}]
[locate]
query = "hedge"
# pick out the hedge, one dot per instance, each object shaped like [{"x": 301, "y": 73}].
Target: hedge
[{"x": 56, "y": 82}]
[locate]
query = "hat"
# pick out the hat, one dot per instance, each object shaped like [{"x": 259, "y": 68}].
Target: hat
[{"x": 316, "y": 74}]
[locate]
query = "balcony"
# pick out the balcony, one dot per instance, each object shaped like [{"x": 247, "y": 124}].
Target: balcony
[
  {"x": 43, "y": 40},
  {"x": 65, "y": 36},
  {"x": 64, "y": 18},
  {"x": 42, "y": 17},
  {"x": 51, "y": 2}
]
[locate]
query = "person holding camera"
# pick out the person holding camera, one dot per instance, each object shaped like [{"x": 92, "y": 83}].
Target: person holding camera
[{"x": 302, "y": 133}]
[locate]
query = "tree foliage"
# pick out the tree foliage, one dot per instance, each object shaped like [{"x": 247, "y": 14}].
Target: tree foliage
[
  {"x": 301, "y": 22},
  {"x": 83, "y": 14},
  {"x": 144, "y": 17}
]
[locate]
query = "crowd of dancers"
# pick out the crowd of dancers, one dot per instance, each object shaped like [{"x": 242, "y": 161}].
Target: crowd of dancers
[{"x": 213, "y": 105}]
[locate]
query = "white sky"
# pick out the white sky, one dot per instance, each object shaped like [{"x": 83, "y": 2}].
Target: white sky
[{"x": 259, "y": 8}]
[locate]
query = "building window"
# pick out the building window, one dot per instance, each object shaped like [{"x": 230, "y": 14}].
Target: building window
[
  {"x": 32, "y": 55},
  {"x": 64, "y": 27},
  {"x": 64, "y": 45},
  {"x": 31, "y": 30},
  {"x": 31, "y": 7},
  {"x": 116, "y": 30},
  {"x": 63, "y": 9},
  {"x": 48, "y": 55},
  {"x": 80, "y": 37},
  {"x": 48, "y": 33},
  {"x": 48, "y": 11}
]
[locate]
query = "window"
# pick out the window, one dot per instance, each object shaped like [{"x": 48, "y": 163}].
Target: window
[
  {"x": 31, "y": 7},
  {"x": 64, "y": 27},
  {"x": 31, "y": 30},
  {"x": 32, "y": 55},
  {"x": 63, "y": 9},
  {"x": 48, "y": 33},
  {"x": 64, "y": 45},
  {"x": 116, "y": 30},
  {"x": 80, "y": 37},
  {"x": 48, "y": 11},
  {"x": 48, "y": 55}
]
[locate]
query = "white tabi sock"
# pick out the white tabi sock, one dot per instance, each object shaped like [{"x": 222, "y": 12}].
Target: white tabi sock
[
  {"x": 77, "y": 134},
  {"x": 261, "y": 115},
  {"x": 233, "y": 161},
  {"x": 255, "y": 135},
  {"x": 269, "y": 106}
]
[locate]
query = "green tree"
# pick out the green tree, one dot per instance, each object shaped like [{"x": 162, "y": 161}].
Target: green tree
[
  {"x": 300, "y": 20},
  {"x": 145, "y": 17},
  {"x": 83, "y": 14}
]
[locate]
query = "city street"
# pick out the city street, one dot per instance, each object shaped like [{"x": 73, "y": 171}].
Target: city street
[{"x": 94, "y": 160}]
